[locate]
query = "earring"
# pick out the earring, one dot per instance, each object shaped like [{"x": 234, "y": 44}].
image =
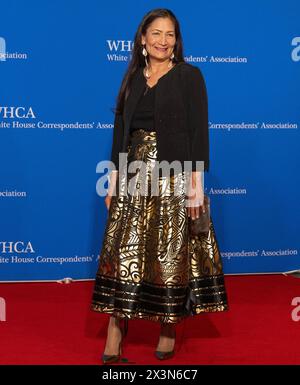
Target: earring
[
  {"x": 145, "y": 53},
  {"x": 171, "y": 60}
]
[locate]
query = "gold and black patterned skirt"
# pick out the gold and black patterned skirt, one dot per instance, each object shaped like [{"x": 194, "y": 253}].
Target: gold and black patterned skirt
[{"x": 150, "y": 266}]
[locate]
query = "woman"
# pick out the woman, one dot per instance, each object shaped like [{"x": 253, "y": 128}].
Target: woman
[{"x": 150, "y": 266}]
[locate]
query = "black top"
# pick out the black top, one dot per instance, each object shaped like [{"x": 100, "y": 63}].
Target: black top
[
  {"x": 181, "y": 116},
  {"x": 143, "y": 116}
]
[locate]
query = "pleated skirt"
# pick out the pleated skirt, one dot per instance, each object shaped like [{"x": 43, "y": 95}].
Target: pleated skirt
[{"x": 150, "y": 266}]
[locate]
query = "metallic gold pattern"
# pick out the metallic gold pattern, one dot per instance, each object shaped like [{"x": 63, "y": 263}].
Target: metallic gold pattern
[{"x": 150, "y": 266}]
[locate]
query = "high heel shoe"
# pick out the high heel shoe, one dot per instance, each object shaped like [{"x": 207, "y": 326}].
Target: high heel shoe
[
  {"x": 165, "y": 355},
  {"x": 109, "y": 358}
]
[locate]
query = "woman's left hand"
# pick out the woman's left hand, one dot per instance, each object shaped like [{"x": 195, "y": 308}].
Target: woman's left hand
[{"x": 195, "y": 197}]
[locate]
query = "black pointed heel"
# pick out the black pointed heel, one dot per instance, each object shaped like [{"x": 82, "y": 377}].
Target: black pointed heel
[
  {"x": 165, "y": 355},
  {"x": 111, "y": 358}
]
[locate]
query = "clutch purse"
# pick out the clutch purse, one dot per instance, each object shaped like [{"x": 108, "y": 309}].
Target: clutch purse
[{"x": 200, "y": 226}]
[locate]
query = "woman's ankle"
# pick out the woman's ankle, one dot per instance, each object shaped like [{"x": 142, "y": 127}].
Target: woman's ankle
[
  {"x": 114, "y": 322},
  {"x": 113, "y": 336},
  {"x": 167, "y": 330}
]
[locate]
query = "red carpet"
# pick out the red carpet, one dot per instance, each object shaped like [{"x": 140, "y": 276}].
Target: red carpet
[{"x": 50, "y": 323}]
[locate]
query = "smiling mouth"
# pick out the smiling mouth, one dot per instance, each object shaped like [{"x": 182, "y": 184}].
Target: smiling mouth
[{"x": 161, "y": 49}]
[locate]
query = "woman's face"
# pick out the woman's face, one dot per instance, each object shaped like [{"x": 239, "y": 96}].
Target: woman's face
[{"x": 160, "y": 39}]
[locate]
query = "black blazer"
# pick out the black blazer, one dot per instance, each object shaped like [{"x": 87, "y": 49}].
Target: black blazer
[{"x": 180, "y": 116}]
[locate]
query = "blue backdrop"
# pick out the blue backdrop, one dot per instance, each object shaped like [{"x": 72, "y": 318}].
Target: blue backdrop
[{"x": 61, "y": 64}]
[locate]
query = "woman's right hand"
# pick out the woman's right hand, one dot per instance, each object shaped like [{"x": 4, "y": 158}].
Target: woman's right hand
[
  {"x": 113, "y": 177},
  {"x": 107, "y": 201}
]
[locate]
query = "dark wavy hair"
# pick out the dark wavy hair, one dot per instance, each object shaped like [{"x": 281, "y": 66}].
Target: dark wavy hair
[{"x": 138, "y": 60}]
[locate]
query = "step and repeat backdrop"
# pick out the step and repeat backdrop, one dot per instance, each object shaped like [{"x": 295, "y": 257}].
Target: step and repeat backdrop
[{"x": 61, "y": 64}]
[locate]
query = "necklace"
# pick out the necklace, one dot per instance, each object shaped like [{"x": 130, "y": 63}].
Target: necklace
[
  {"x": 148, "y": 76},
  {"x": 146, "y": 89}
]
